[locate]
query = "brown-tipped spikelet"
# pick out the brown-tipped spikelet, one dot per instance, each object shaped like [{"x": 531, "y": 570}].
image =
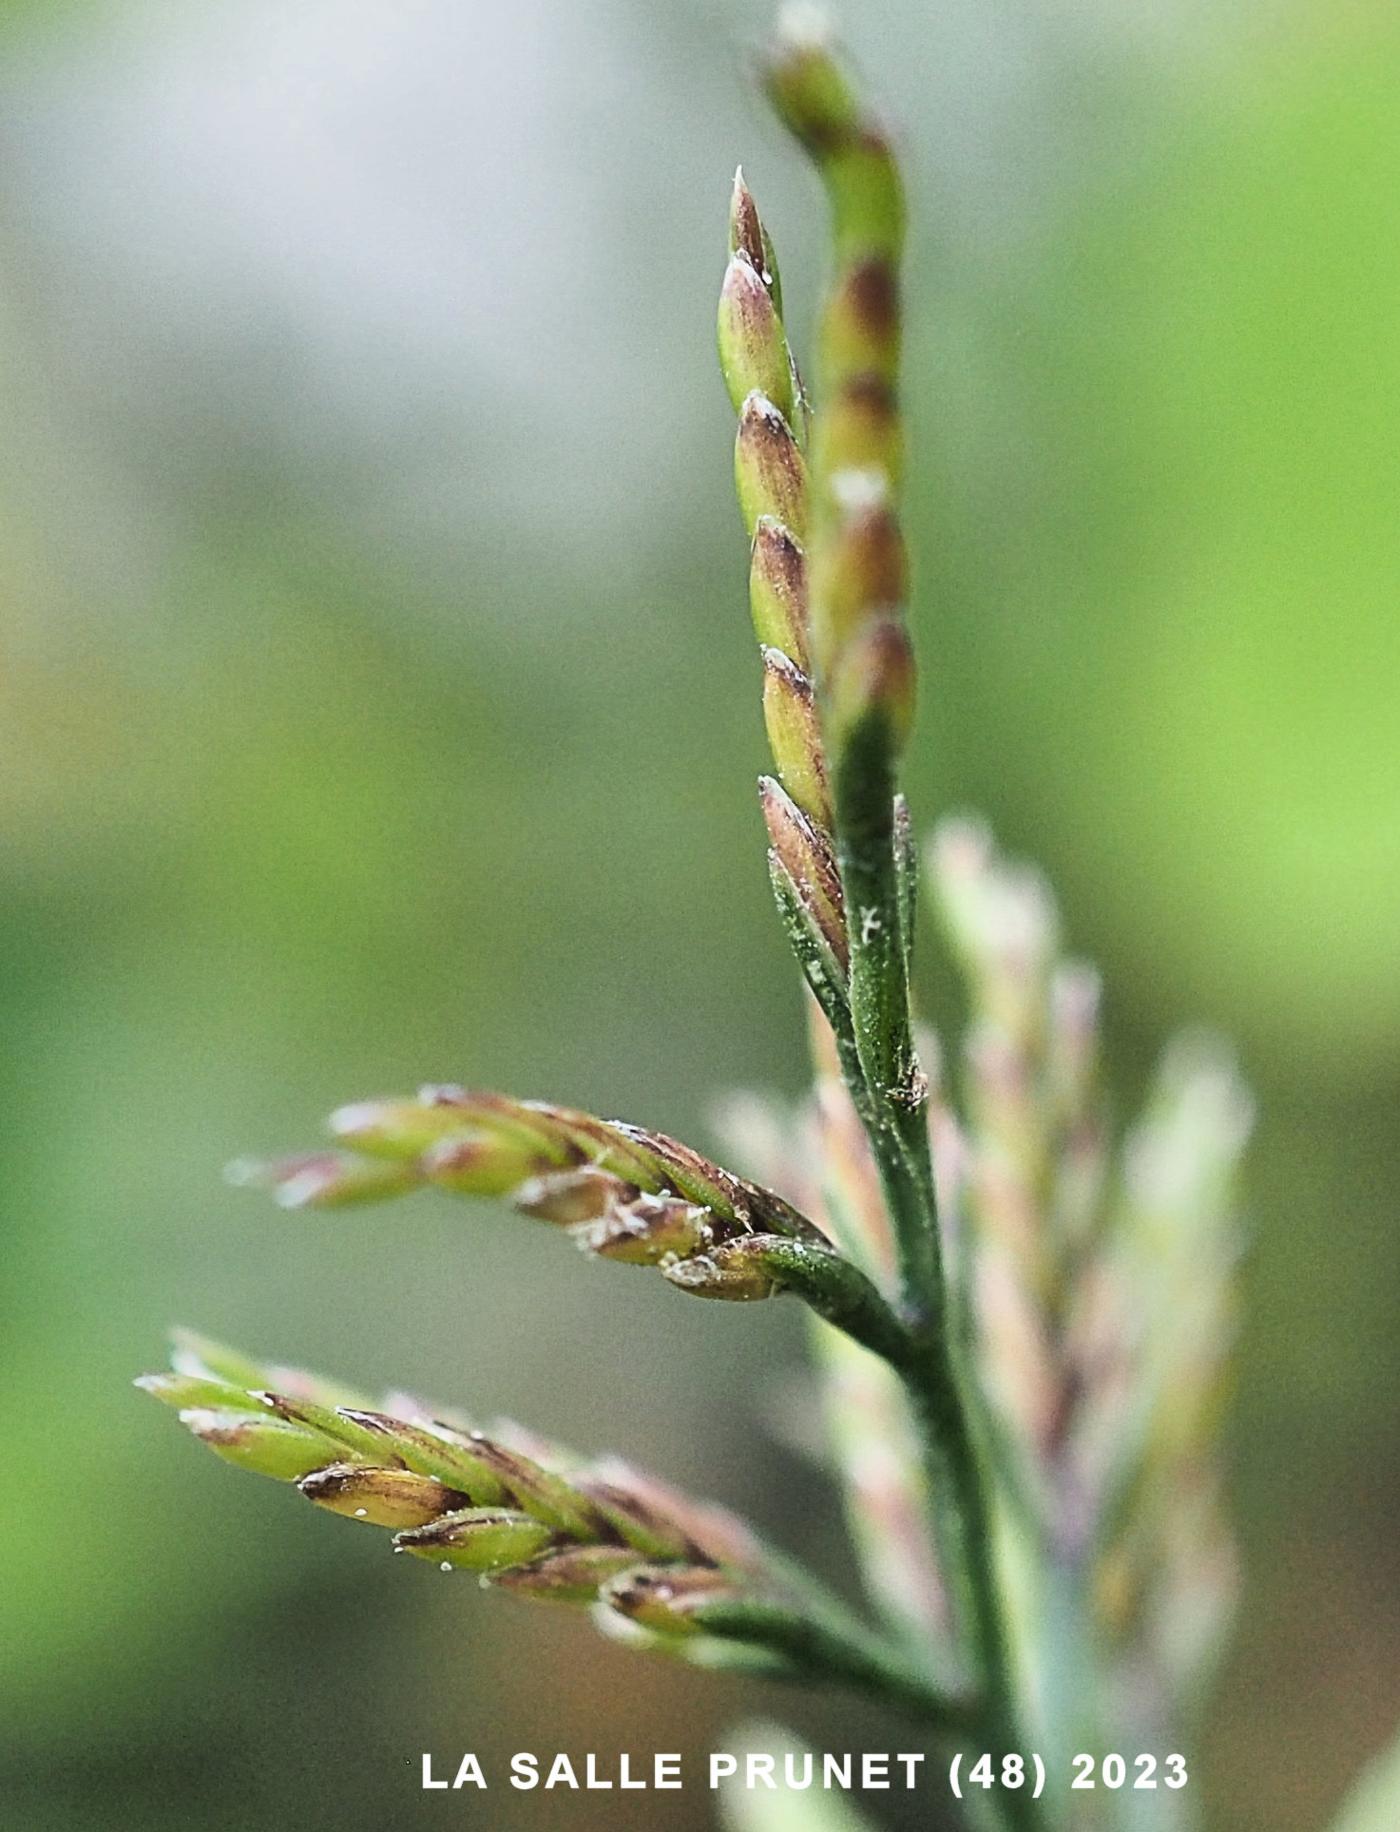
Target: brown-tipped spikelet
[
  {"x": 770, "y": 474},
  {"x": 396, "y": 1498},
  {"x": 816, "y": 101},
  {"x": 862, "y": 571},
  {"x": 573, "y": 1574},
  {"x": 748, "y": 237},
  {"x": 872, "y": 679},
  {"x": 801, "y": 850},
  {"x": 794, "y": 736},
  {"x": 753, "y": 352},
  {"x": 323, "y": 1179},
  {"x": 860, "y": 323},
  {"x": 670, "y": 1599},
  {"x": 477, "y": 1539},
  {"x": 778, "y": 590}
]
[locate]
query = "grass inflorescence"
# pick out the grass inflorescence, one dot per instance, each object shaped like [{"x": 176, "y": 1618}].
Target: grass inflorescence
[{"x": 1022, "y": 1310}]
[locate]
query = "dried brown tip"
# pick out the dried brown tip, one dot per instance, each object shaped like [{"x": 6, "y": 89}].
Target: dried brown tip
[
  {"x": 778, "y": 590},
  {"x": 770, "y": 474},
  {"x": 396, "y": 1498}
]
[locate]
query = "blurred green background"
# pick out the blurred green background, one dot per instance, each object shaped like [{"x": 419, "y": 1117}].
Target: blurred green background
[{"x": 378, "y": 704}]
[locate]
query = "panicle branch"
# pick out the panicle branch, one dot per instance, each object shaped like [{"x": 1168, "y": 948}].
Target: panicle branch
[
  {"x": 1161, "y": 1327},
  {"x": 1105, "y": 1284},
  {"x": 670, "y": 1573},
  {"x": 771, "y": 478},
  {"x": 857, "y": 590},
  {"x": 863, "y": 670},
  {"x": 621, "y": 1192},
  {"x": 822, "y": 1156},
  {"x": 858, "y": 585}
]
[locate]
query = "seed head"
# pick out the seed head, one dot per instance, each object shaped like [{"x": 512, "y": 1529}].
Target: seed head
[
  {"x": 794, "y": 735},
  {"x": 769, "y": 473},
  {"x": 266, "y": 1446},
  {"x": 734, "y": 1270},
  {"x": 804, "y": 854},
  {"x": 574, "y": 1574},
  {"x": 858, "y": 444},
  {"x": 872, "y": 677},
  {"x": 817, "y": 103},
  {"x": 325, "y": 1179},
  {"x": 862, "y": 570},
  {"x": 748, "y": 237},
  {"x": 669, "y": 1598},
  {"x": 753, "y": 352},
  {"x": 396, "y": 1498},
  {"x": 477, "y": 1539},
  {"x": 778, "y": 590}
]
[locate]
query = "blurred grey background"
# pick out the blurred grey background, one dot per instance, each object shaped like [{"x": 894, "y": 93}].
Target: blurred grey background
[{"x": 378, "y": 705}]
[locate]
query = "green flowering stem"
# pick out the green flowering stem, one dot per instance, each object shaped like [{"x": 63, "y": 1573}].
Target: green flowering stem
[
  {"x": 857, "y": 589},
  {"x": 621, "y": 1192},
  {"x": 894, "y": 1104},
  {"x": 817, "y": 1652},
  {"x": 796, "y": 1631},
  {"x": 756, "y": 1265},
  {"x": 541, "y": 1523}
]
